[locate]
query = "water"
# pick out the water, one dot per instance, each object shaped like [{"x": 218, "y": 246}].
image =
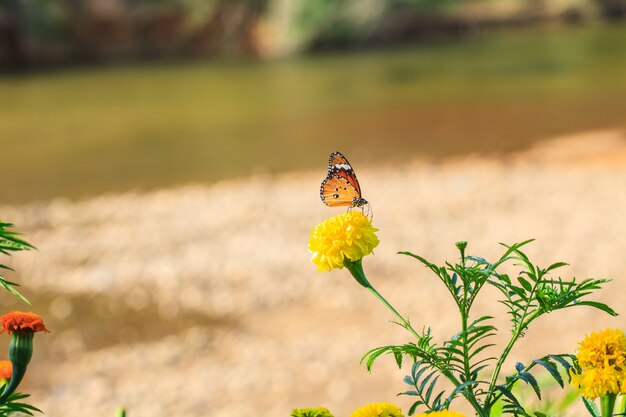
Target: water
[{"x": 79, "y": 133}]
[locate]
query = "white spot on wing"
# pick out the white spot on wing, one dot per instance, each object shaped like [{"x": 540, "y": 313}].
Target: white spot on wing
[{"x": 343, "y": 166}]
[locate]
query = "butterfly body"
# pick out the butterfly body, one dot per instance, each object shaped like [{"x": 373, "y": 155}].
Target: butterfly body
[{"x": 340, "y": 188}]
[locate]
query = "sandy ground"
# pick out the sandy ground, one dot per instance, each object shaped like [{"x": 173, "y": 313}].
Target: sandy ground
[{"x": 202, "y": 300}]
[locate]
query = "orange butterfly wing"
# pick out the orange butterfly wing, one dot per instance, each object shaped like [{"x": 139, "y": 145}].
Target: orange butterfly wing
[
  {"x": 337, "y": 191},
  {"x": 339, "y": 165},
  {"x": 340, "y": 187}
]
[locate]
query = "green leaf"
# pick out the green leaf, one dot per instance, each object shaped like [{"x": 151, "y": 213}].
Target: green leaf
[
  {"x": 518, "y": 291},
  {"x": 456, "y": 391},
  {"x": 431, "y": 388},
  {"x": 5, "y": 285},
  {"x": 414, "y": 406},
  {"x": 527, "y": 286},
  {"x": 591, "y": 407},
  {"x": 510, "y": 249},
  {"x": 599, "y": 306},
  {"x": 398, "y": 356},
  {"x": 425, "y": 381},
  {"x": 565, "y": 364},
  {"x": 436, "y": 404},
  {"x": 550, "y": 367},
  {"x": 529, "y": 379},
  {"x": 429, "y": 264},
  {"x": 509, "y": 395},
  {"x": 372, "y": 355},
  {"x": 555, "y": 266}
]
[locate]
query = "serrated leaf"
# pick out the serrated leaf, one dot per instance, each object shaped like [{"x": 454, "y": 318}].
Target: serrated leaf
[
  {"x": 555, "y": 266},
  {"x": 414, "y": 406},
  {"x": 599, "y": 306},
  {"x": 398, "y": 357},
  {"x": 418, "y": 375},
  {"x": 525, "y": 284},
  {"x": 529, "y": 379},
  {"x": 425, "y": 381},
  {"x": 565, "y": 364},
  {"x": 13, "y": 291},
  {"x": 436, "y": 404},
  {"x": 591, "y": 407},
  {"x": 509, "y": 395},
  {"x": 517, "y": 291},
  {"x": 458, "y": 389},
  {"x": 431, "y": 388},
  {"x": 550, "y": 367}
]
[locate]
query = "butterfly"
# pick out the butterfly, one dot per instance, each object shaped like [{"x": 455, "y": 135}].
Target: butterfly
[{"x": 340, "y": 187}]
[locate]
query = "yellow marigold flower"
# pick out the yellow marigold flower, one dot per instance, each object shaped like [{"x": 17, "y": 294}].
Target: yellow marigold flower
[
  {"x": 602, "y": 359},
  {"x": 603, "y": 349},
  {"x": 442, "y": 413},
  {"x": 378, "y": 410},
  {"x": 6, "y": 370},
  {"x": 596, "y": 382},
  {"x": 349, "y": 236}
]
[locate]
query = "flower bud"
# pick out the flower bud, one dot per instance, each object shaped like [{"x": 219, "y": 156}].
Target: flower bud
[{"x": 22, "y": 327}]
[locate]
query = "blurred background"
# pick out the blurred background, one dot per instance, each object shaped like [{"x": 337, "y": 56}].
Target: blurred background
[{"x": 165, "y": 158}]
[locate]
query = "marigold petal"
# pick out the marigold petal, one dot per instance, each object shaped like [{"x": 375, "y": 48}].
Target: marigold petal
[
  {"x": 346, "y": 236},
  {"x": 18, "y": 321},
  {"x": 602, "y": 359},
  {"x": 6, "y": 370},
  {"x": 378, "y": 410}
]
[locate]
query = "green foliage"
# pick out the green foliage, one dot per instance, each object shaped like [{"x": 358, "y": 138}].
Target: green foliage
[
  {"x": 12, "y": 406},
  {"x": 10, "y": 242},
  {"x": 465, "y": 359},
  {"x": 551, "y": 405},
  {"x": 425, "y": 5},
  {"x": 311, "y": 412},
  {"x": 338, "y": 22}
]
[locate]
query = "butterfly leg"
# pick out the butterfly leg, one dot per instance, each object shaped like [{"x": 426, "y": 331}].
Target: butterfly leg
[{"x": 366, "y": 209}]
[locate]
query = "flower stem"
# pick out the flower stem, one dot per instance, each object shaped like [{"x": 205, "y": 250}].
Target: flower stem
[
  {"x": 607, "y": 404},
  {"x": 403, "y": 322},
  {"x": 20, "y": 353},
  {"x": 356, "y": 269}
]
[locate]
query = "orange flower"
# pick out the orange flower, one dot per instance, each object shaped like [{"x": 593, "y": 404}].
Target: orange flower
[
  {"x": 6, "y": 370},
  {"x": 17, "y": 321}
]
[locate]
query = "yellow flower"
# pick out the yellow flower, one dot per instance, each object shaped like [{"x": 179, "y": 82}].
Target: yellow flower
[
  {"x": 443, "y": 413},
  {"x": 596, "y": 382},
  {"x": 378, "y": 410},
  {"x": 602, "y": 359},
  {"x": 603, "y": 349},
  {"x": 349, "y": 236}
]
